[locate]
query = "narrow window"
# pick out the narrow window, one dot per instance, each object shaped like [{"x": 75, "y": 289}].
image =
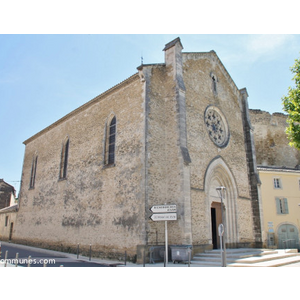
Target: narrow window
[
  {"x": 6, "y": 221},
  {"x": 214, "y": 81},
  {"x": 64, "y": 160},
  {"x": 277, "y": 183},
  {"x": 33, "y": 172},
  {"x": 282, "y": 206},
  {"x": 110, "y": 142},
  {"x": 214, "y": 84}
]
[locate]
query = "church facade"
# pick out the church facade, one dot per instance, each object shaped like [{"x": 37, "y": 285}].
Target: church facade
[{"x": 170, "y": 134}]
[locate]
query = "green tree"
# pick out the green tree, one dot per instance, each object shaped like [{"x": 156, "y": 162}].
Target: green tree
[{"x": 291, "y": 105}]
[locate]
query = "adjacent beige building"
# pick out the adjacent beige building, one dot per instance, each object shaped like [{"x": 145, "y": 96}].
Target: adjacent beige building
[
  {"x": 170, "y": 134},
  {"x": 280, "y": 192},
  {"x": 278, "y": 167}
]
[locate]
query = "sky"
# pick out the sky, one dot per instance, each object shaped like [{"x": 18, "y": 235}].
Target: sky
[{"x": 45, "y": 76}]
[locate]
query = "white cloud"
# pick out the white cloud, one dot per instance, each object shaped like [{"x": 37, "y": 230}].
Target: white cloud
[
  {"x": 264, "y": 43},
  {"x": 267, "y": 46},
  {"x": 252, "y": 48}
]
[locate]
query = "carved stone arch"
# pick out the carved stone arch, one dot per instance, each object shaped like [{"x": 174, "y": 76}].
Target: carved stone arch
[
  {"x": 65, "y": 140},
  {"x": 218, "y": 174},
  {"x": 110, "y": 117}
]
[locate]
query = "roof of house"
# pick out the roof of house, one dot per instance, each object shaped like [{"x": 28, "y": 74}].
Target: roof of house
[
  {"x": 9, "y": 208},
  {"x": 2, "y": 180},
  {"x": 279, "y": 169}
]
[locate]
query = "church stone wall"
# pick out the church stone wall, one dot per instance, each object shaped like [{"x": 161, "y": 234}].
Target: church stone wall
[
  {"x": 163, "y": 155},
  {"x": 164, "y": 158},
  {"x": 198, "y": 68},
  {"x": 102, "y": 206},
  {"x": 199, "y": 96},
  {"x": 162, "y": 152},
  {"x": 271, "y": 142}
]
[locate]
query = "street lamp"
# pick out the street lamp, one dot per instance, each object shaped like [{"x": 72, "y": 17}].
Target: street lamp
[{"x": 221, "y": 191}]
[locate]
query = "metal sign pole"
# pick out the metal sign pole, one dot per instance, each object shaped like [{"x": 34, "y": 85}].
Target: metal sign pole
[
  {"x": 222, "y": 190},
  {"x": 166, "y": 242},
  {"x": 166, "y": 212},
  {"x": 221, "y": 232},
  {"x": 223, "y": 236},
  {"x": 221, "y": 248}
]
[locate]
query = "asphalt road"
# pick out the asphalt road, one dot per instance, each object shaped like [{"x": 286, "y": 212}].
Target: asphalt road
[{"x": 40, "y": 256}]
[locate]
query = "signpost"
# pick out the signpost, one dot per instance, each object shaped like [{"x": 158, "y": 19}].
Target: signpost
[
  {"x": 221, "y": 191},
  {"x": 164, "y": 217},
  {"x": 163, "y": 208},
  {"x": 164, "y": 213}
]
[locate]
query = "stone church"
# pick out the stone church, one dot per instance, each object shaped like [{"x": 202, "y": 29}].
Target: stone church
[{"x": 170, "y": 134}]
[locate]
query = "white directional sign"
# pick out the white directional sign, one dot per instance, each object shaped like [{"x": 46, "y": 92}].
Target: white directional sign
[
  {"x": 164, "y": 208},
  {"x": 164, "y": 213},
  {"x": 164, "y": 217}
]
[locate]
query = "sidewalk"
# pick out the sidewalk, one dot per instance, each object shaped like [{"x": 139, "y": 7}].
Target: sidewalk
[
  {"x": 108, "y": 262},
  {"x": 119, "y": 263}
]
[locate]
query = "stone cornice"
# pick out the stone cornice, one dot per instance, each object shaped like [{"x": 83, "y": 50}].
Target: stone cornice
[{"x": 275, "y": 169}]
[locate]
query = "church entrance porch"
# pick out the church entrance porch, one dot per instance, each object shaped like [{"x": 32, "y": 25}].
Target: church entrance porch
[{"x": 219, "y": 175}]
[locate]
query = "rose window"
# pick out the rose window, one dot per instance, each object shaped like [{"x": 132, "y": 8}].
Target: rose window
[{"x": 216, "y": 126}]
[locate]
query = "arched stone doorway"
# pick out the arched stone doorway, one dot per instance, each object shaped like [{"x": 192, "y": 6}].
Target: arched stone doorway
[{"x": 218, "y": 174}]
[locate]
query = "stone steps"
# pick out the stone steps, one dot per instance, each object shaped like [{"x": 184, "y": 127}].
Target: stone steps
[{"x": 248, "y": 257}]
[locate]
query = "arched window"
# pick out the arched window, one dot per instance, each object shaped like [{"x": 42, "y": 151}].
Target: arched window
[
  {"x": 110, "y": 142},
  {"x": 64, "y": 160},
  {"x": 33, "y": 171}
]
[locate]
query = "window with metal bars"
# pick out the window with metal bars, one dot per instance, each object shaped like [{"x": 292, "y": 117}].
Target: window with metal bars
[{"x": 110, "y": 142}]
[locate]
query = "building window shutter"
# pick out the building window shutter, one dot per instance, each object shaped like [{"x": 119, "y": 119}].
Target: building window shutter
[
  {"x": 282, "y": 206},
  {"x": 286, "y": 205},
  {"x": 278, "y": 206}
]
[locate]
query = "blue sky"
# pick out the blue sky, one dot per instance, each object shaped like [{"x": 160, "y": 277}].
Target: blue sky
[{"x": 45, "y": 76}]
